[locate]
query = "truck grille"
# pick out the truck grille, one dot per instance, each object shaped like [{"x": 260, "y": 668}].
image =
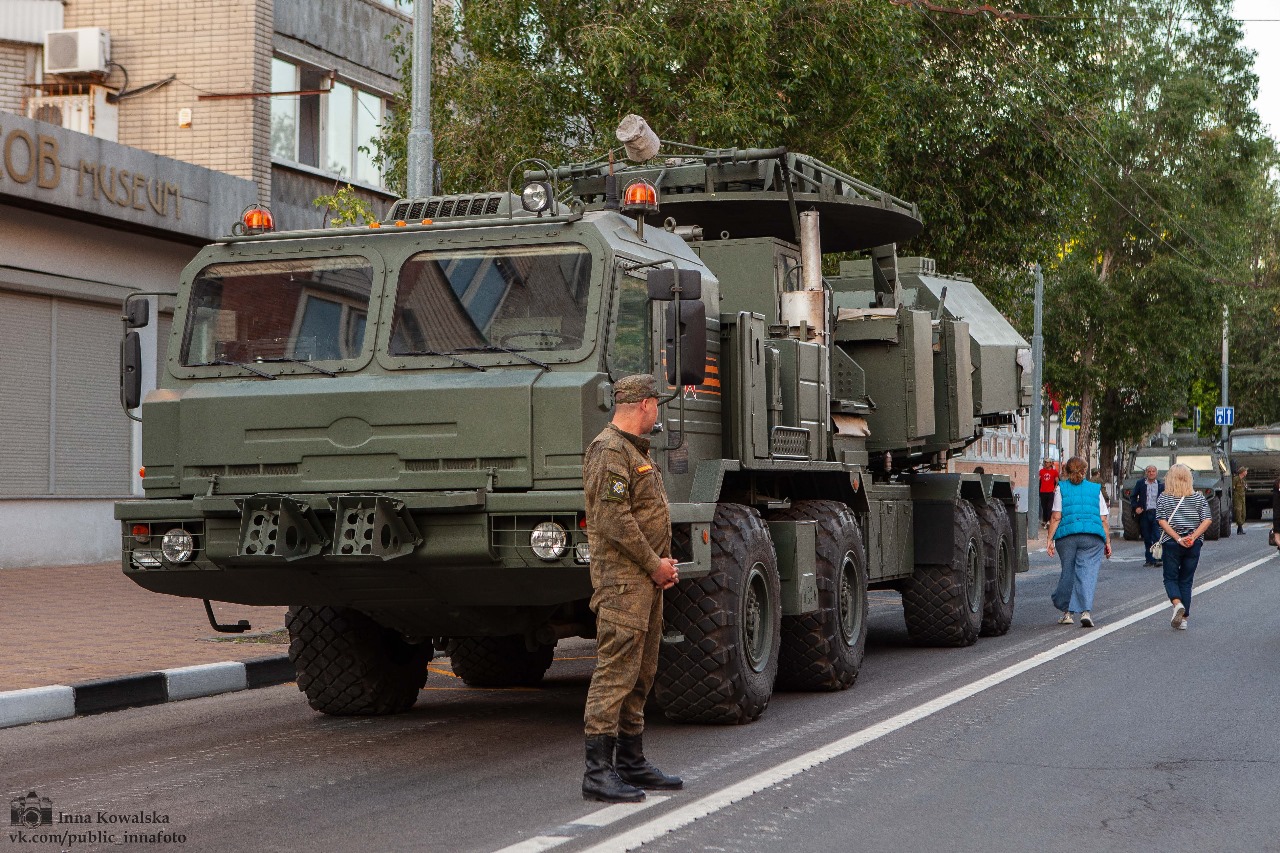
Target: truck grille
[
  {"x": 445, "y": 207},
  {"x": 431, "y": 465},
  {"x": 265, "y": 470},
  {"x": 789, "y": 443}
]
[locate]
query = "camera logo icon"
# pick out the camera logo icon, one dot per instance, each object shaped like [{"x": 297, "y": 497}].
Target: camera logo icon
[{"x": 32, "y": 810}]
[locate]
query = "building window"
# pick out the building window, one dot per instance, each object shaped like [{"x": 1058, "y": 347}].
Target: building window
[
  {"x": 333, "y": 132},
  {"x": 284, "y": 111}
]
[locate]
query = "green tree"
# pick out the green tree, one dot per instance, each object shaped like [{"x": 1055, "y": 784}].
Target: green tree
[{"x": 1135, "y": 305}]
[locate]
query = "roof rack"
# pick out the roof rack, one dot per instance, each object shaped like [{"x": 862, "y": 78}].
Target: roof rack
[{"x": 753, "y": 192}]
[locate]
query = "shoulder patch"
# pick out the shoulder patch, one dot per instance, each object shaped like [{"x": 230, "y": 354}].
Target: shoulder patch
[
  {"x": 644, "y": 469},
  {"x": 615, "y": 488}
]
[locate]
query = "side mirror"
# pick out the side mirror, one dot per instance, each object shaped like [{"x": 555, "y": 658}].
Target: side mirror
[
  {"x": 662, "y": 284},
  {"x": 131, "y": 371},
  {"x": 692, "y": 329},
  {"x": 137, "y": 313}
]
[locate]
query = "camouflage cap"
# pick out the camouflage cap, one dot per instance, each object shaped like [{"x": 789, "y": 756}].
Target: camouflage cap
[{"x": 634, "y": 389}]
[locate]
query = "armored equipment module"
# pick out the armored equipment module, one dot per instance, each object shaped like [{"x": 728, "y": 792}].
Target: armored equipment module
[
  {"x": 383, "y": 427},
  {"x": 1210, "y": 475},
  {"x": 1258, "y": 449}
]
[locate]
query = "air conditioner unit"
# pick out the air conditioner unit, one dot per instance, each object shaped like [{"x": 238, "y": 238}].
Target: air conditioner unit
[
  {"x": 86, "y": 110},
  {"x": 83, "y": 50}
]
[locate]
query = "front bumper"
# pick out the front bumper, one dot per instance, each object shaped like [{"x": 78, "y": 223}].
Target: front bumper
[{"x": 420, "y": 549}]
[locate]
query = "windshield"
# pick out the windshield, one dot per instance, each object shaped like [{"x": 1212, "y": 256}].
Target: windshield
[
  {"x": 310, "y": 309},
  {"x": 530, "y": 298},
  {"x": 1201, "y": 463},
  {"x": 1142, "y": 460},
  {"x": 1254, "y": 443}
]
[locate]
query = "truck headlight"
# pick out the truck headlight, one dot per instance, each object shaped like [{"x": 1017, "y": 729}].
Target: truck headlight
[
  {"x": 549, "y": 541},
  {"x": 536, "y": 196},
  {"x": 178, "y": 546},
  {"x": 582, "y": 554}
]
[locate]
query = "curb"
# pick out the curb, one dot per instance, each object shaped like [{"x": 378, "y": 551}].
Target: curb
[{"x": 61, "y": 701}]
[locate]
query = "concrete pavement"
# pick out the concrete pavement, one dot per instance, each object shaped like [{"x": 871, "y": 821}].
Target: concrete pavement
[{"x": 108, "y": 643}]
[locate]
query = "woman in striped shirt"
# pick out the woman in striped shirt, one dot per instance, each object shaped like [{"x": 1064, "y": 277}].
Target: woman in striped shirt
[{"x": 1183, "y": 515}]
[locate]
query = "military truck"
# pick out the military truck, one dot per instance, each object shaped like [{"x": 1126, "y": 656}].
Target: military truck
[
  {"x": 383, "y": 427},
  {"x": 1210, "y": 475},
  {"x": 1258, "y": 449}
]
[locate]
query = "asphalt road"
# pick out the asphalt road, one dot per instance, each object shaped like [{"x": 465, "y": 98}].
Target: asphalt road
[{"x": 1128, "y": 737}]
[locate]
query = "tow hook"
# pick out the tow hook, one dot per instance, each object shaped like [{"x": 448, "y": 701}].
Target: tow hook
[{"x": 238, "y": 628}]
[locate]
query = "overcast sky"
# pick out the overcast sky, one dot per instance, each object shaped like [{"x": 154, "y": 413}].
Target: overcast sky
[{"x": 1262, "y": 29}]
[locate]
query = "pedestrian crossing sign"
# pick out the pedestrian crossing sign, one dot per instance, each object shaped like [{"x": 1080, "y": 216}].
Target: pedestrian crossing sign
[{"x": 1071, "y": 416}]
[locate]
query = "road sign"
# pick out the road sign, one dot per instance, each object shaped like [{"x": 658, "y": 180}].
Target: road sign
[
  {"x": 1224, "y": 416},
  {"x": 1071, "y": 416}
]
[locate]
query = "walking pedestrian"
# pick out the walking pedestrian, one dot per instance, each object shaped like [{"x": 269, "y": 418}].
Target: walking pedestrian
[
  {"x": 629, "y": 534},
  {"x": 1184, "y": 517},
  {"x": 1143, "y": 500},
  {"x": 1081, "y": 536},
  {"x": 1238, "y": 506},
  {"x": 1275, "y": 513},
  {"x": 1048, "y": 482}
]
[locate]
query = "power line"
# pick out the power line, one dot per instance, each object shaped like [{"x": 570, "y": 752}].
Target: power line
[
  {"x": 1084, "y": 170},
  {"x": 1103, "y": 148}
]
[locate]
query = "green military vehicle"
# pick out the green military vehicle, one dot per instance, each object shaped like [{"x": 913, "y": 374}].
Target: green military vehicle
[
  {"x": 1258, "y": 449},
  {"x": 383, "y": 427},
  {"x": 1210, "y": 475}
]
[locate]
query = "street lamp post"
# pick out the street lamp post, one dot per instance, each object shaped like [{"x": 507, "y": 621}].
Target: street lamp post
[
  {"x": 1225, "y": 364},
  {"x": 1037, "y": 384},
  {"x": 419, "y": 159}
]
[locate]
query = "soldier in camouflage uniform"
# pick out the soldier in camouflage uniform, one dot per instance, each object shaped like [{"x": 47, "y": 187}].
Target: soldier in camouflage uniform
[{"x": 629, "y": 532}]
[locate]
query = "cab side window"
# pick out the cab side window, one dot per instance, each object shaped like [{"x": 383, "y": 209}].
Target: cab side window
[{"x": 631, "y": 329}]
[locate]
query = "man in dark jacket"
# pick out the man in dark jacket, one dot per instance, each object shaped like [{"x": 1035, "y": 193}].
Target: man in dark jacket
[{"x": 1143, "y": 500}]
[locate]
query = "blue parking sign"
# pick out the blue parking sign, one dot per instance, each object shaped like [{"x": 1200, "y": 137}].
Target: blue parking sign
[{"x": 1224, "y": 416}]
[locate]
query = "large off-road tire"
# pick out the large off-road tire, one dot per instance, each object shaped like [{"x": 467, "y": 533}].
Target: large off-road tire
[
  {"x": 498, "y": 661},
  {"x": 1001, "y": 586},
  {"x": 1132, "y": 527},
  {"x": 823, "y": 650},
  {"x": 943, "y": 603},
  {"x": 1225, "y": 520},
  {"x": 723, "y": 669},
  {"x": 348, "y": 664},
  {"x": 1215, "y": 514}
]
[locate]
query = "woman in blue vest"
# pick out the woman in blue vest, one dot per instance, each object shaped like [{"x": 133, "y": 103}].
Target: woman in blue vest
[{"x": 1080, "y": 535}]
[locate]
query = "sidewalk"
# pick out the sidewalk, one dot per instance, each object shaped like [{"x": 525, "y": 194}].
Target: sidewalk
[{"x": 72, "y": 624}]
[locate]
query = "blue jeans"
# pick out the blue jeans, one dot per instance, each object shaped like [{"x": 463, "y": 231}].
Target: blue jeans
[
  {"x": 1179, "y": 570},
  {"x": 1150, "y": 530},
  {"x": 1081, "y": 556}
]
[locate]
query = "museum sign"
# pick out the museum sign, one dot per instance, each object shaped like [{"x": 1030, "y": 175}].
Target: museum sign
[{"x": 54, "y": 167}]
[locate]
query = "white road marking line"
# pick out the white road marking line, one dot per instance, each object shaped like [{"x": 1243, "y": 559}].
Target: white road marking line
[
  {"x": 712, "y": 803},
  {"x": 536, "y": 844},
  {"x": 609, "y": 814}
]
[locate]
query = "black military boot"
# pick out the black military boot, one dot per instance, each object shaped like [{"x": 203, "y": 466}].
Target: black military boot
[
  {"x": 635, "y": 769},
  {"x": 601, "y": 781}
]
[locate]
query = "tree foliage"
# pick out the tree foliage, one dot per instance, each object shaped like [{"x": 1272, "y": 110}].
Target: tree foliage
[
  {"x": 1135, "y": 310},
  {"x": 1113, "y": 141}
]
